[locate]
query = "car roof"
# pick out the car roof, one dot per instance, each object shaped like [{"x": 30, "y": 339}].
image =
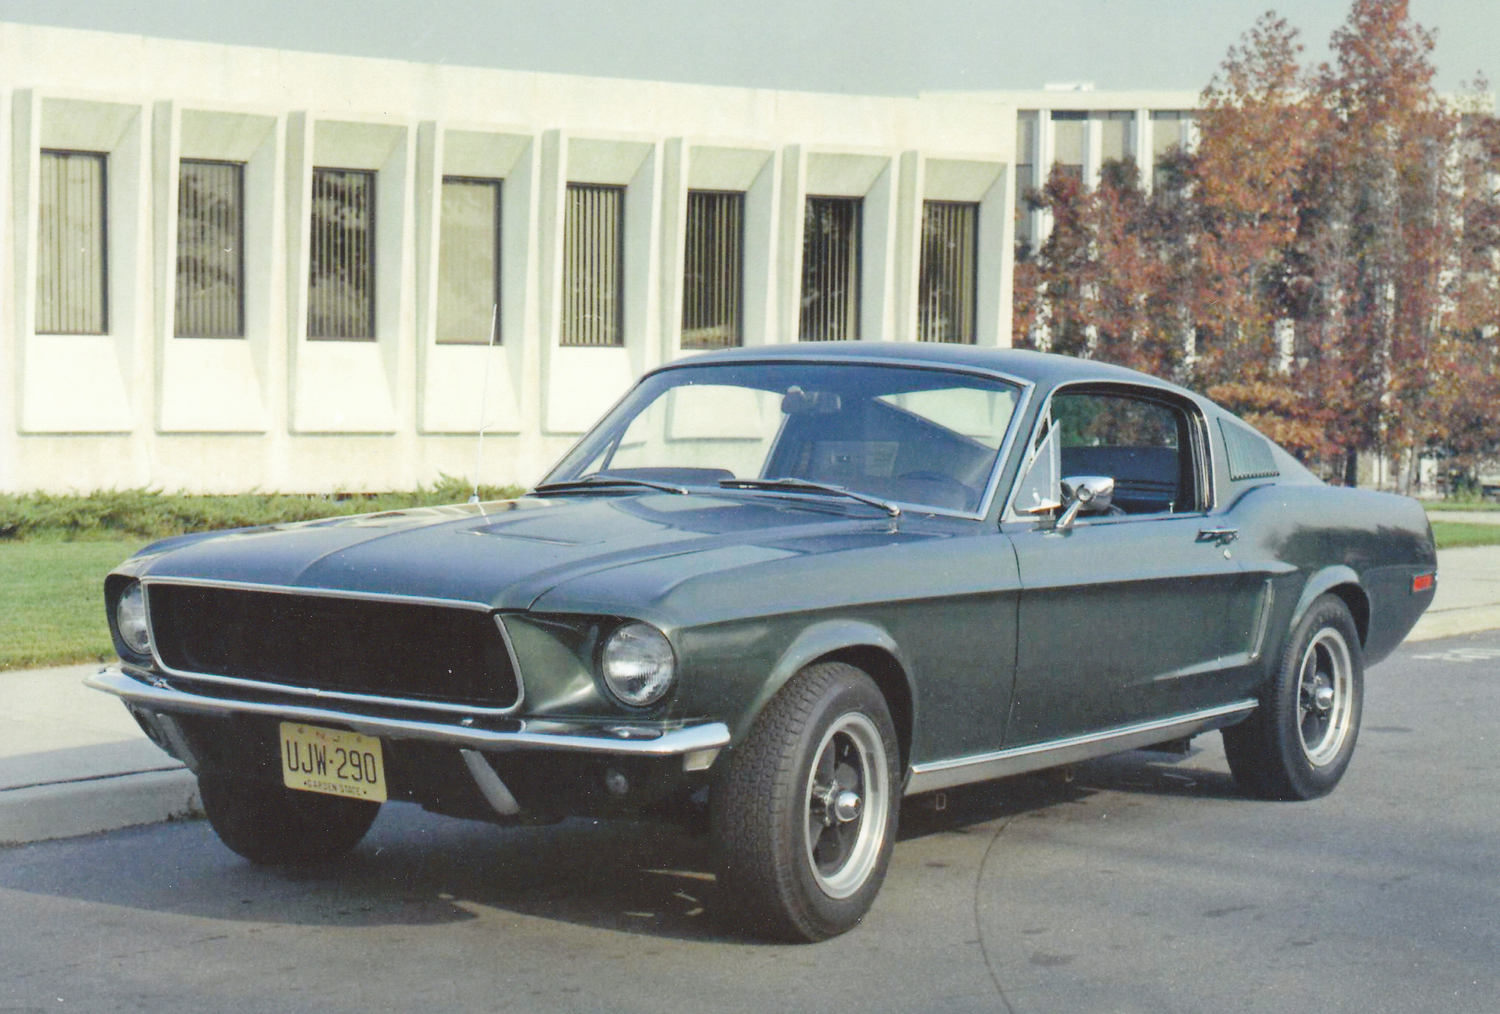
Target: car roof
[{"x": 1044, "y": 369}]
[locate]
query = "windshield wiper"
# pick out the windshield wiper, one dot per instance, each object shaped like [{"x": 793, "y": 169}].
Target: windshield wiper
[
  {"x": 606, "y": 482},
  {"x": 808, "y": 486}
]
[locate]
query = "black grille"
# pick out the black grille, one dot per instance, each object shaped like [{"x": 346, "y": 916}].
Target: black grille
[{"x": 389, "y": 649}]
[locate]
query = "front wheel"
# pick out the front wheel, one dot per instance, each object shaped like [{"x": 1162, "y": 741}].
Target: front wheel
[
  {"x": 276, "y": 826},
  {"x": 1298, "y": 743},
  {"x": 804, "y": 819}
]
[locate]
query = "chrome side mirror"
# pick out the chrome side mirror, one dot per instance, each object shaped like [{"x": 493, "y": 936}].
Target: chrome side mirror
[{"x": 1085, "y": 494}]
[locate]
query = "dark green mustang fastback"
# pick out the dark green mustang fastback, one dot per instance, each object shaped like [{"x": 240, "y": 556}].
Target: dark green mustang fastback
[{"x": 775, "y": 591}]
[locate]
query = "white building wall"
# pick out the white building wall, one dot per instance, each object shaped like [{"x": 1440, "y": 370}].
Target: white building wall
[
  {"x": 277, "y": 410},
  {"x": 1040, "y": 107}
]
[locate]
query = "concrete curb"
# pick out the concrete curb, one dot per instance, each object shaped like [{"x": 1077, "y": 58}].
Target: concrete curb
[
  {"x": 1455, "y": 622},
  {"x": 1468, "y": 594},
  {"x": 68, "y": 809}
]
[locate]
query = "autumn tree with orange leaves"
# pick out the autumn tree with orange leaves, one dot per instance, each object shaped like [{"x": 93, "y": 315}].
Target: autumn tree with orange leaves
[
  {"x": 1380, "y": 221},
  {"x": 1258, "y": 131},
  {"x": 1326, "y": 262},
  {"x": 1107, "y": 282}
]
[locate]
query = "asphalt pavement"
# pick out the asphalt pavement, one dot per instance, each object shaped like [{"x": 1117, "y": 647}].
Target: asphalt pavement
[
  {"x": 73, "y": 761},
  {"x": 1145, "y": 883}
]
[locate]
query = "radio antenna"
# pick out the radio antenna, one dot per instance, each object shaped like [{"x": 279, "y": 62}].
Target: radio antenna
[{"x": 484, "y": 396}]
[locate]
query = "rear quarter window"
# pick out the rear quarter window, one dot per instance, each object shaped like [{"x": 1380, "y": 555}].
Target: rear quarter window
[{"x": 1247, "y": 453}]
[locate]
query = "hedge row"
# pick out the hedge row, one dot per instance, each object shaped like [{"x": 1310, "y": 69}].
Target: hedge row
[{"x": 150, "y": 514}]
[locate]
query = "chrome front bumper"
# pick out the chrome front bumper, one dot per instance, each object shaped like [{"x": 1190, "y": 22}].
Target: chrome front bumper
[{"x": 697, "y": 744}]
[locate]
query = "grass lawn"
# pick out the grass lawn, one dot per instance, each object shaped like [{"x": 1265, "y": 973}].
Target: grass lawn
[
  {"x": 1456, "y": 534},
  {"x": 52, "y": 601}
]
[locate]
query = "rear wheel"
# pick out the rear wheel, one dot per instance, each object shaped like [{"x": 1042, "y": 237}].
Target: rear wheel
[
  {"x": 1298, "y": 743},
  {"x": 805, "y": 818},
  {"x": 276, "y": 826}
]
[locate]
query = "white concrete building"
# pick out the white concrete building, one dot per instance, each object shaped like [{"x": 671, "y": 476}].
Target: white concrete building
[
  {"x": 228, "y": 268},
  {"x": 1080, "y": 129}
]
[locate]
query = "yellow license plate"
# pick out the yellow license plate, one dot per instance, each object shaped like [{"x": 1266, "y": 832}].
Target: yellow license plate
[{"x": 332, "y": 761}]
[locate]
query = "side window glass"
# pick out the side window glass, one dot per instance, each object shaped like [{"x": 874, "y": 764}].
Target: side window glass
[{"x": 1141, "y": 443}]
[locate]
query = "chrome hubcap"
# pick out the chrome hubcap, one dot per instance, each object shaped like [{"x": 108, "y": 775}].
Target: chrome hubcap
[
  {"x": 1325, "y": 696},
  {"x": 847, "y": 801},
  {"x": 833, "y": 804},
  {"x": 847, "y": 807}
]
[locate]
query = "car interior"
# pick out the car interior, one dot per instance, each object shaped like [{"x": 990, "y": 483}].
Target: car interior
[{"x": 1144, "y": 445}]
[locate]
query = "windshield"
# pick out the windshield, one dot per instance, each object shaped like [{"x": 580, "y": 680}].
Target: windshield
[{"x": 920, "y": 437}]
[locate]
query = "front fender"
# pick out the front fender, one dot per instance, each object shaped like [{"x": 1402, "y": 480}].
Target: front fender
[{"x": 819, "y": 641}]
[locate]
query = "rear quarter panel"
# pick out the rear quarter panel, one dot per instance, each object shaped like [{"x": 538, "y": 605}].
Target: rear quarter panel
[{"x": 1367, "y": 546}]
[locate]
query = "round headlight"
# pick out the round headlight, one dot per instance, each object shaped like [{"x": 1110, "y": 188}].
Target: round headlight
[
  {"x": 637, "y": 664},
  {"x": 130, "y": 618}
]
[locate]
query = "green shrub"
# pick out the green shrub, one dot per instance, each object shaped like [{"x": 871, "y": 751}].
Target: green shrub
[{"x": 150, "y": 514}]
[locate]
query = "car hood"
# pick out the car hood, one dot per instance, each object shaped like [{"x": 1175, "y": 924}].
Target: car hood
[{"x": 507, "y": 555}]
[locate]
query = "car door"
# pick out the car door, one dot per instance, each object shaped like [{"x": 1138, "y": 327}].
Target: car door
[{"x": 1124, "y": 616}]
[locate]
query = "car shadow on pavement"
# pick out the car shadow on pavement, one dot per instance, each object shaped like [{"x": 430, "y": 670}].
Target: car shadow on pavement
[
  {"x": 1161, "y": 774},
  {"x": 628, "y": 876},
  {"x": 1197, "y": 774},
  {"x": 416, "y": 868}
]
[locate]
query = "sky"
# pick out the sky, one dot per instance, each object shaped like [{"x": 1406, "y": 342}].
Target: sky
[{"x": 880, "y": 47}]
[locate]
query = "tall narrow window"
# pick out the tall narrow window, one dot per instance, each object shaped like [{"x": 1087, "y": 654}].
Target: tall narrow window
[
  {"x": 713, "y": 274},
  {"x": 593, "y": 290},
  {"x": 72, "y": 272},
  {"x": 210, "y": 249},
  {"x": 341, "y": 274},
  {"x": 831, "y": 269},
  {"x": 1168, "y": 133},
  {"x": 950, "y": 257},
  {"x": 1115, "y": 139},
  {"x": 1025, "y": 183},
  {"x": 468, "y": 295},
  {"x": 1068, "y": 141}
]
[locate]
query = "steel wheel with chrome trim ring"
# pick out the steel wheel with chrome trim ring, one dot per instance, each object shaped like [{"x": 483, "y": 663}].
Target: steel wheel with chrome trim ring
[
  {"x": 847, "y": 798},
  {"x": 1324, "y": 696},
  {"x": 1299, "y": 741},
  {"x": 804, "y": 815}
]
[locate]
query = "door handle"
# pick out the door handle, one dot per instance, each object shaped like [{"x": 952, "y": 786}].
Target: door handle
[{"x": 1219, "y": 536}]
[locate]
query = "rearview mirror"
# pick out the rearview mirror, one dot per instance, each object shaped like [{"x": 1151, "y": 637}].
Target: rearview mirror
[{"x": 799, "y": 402}]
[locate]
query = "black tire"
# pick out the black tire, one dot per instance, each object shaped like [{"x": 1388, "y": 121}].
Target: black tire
[
  {"x": 1298, "y": 743},
  {"x": 276, "y": 826},
  {"x": 804, "y": 818}
]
